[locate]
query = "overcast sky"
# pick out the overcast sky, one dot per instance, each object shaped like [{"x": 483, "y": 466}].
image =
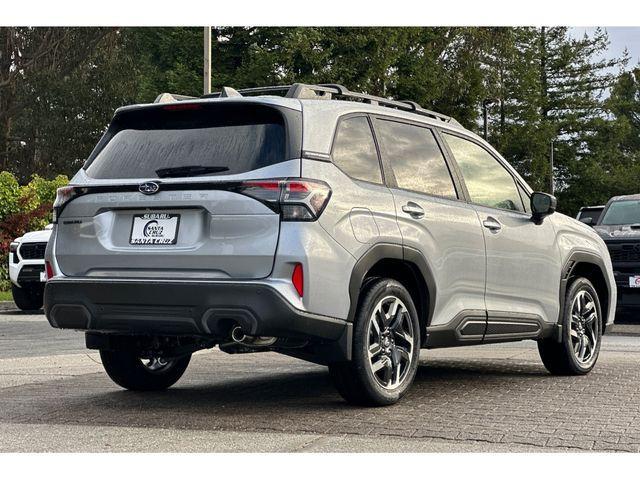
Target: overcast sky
[{"x": 620, "y": 37}]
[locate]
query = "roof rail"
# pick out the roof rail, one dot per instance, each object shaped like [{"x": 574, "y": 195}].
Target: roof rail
[{"x": 328, "y": 91}]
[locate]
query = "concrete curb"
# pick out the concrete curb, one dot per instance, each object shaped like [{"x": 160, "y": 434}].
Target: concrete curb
[
  {"x": 7, "y": 306},
  {"x": 624, "y": 329}
]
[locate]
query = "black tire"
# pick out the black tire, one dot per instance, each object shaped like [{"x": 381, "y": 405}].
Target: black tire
[
  {"x": 128, "y": 370},
  {"x": 356, "y": 380},
  {"x": 28, "y": 297},
  {"x": 561, "y": 358}
]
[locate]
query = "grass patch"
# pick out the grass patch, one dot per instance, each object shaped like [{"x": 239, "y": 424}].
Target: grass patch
[{"x": 5, "y": 297}]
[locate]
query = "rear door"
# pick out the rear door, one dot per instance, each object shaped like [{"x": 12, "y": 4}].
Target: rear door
[
  {"x": 436, "y": 222},
  {"x": 167, "y": 193}
]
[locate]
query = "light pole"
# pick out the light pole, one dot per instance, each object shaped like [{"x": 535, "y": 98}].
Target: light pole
[
  {"x": 551, "y": 186},
  {"x": 207, "y": 60}
]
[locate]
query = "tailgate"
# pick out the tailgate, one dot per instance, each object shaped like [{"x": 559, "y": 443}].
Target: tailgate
[{"x": 218, "y": 234}]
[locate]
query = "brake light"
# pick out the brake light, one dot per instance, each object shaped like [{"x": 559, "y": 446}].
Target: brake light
[
  {"x": 297, "y": 278},
  {"x": 63, "y": 196},
  {"x": 300, "y": 200},
  {"x": 49, "y": 270},
  {"x": 182, "y": 106}
]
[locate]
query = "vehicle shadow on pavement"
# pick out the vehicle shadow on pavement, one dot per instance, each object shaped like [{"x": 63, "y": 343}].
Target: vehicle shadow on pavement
[
  {"x": 442, "y": 369},
  {"x": 296, "y": 397},
  {"x": 289, "y": 391}
]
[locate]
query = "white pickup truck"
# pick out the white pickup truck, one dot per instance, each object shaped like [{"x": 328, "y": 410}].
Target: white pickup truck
[{"x": 26, "y": 268}]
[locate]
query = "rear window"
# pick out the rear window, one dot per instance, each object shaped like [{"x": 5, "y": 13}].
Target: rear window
[{"x": 212, "y": 140}]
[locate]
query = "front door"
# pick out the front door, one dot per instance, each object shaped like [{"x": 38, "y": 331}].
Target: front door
[{"x": 523, "y": 267}]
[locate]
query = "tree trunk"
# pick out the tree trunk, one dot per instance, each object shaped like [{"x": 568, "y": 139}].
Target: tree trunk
[{"x": 6, "y": 144}]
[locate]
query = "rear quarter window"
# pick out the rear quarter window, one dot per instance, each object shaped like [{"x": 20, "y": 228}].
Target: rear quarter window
[{"x": 354, "y": 150}]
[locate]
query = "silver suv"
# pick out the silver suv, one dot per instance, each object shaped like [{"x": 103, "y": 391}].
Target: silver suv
[{"x": 336, "y": 227}]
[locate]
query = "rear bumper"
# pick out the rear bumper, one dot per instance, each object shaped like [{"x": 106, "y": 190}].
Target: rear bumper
[{"x": 182, "y": 308}]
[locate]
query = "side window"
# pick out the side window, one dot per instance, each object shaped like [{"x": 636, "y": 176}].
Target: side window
[
  {"x": 415, "y": 157},
  {"x": 354, "y": 150},
  {"x": 526, "y": 199},
  {"x": 488, "y": 182}
]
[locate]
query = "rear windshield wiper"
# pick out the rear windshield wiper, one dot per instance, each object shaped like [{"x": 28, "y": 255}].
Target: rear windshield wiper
[{"x": 188, "y": 171}]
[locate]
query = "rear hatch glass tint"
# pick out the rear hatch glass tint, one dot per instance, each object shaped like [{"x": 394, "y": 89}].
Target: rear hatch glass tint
[{"x": 194, "y": 139}]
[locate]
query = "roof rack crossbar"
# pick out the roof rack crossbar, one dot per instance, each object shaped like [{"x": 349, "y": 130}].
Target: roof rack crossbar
[{"x": 332, "y": 90}]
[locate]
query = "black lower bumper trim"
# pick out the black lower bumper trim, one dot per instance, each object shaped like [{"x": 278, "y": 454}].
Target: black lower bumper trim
[
  {"x": 30, "y": 274},
  {"x": 185, "y": 308},
  {"x": 628, "y": 298}
]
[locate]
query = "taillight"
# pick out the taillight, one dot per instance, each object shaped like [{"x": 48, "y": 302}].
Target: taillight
[
  {"x": 297, "y": 278},
  {"x": 300, "y": 200},
  {"x": 48, "y": 270},
  {"x": 63, "y": 196}
]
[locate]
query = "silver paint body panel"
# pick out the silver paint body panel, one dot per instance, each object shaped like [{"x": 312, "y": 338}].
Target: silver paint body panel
[{"x": 225, "y": 236}]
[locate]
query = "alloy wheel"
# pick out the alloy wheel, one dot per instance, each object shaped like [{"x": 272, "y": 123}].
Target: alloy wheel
[
  {"x": 584, "y": 327},
  {"x": 390, "y": 342}
]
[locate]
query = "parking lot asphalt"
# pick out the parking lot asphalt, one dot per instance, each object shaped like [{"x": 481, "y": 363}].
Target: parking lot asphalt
[{"x": 54, "y": 396}]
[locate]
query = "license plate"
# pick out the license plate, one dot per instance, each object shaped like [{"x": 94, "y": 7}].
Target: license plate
[
  {"x": 155, "y": 229},
  {"x": 634, "y": 281}
]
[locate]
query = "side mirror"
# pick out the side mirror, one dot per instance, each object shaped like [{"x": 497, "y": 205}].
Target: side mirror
[
  {"x": 587, "y": 221},
  {"x": 542, "y": 205}
]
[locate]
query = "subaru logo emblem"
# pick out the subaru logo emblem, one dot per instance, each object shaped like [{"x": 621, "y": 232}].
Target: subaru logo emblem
[{"x": 149, "y": 188}]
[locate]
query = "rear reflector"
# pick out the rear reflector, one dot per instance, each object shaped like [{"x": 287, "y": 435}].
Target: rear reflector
[{"x": 297, "y": 278}]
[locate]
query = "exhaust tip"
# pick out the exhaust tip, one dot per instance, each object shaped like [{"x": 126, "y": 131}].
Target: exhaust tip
[{"x": 237, "y": 335}]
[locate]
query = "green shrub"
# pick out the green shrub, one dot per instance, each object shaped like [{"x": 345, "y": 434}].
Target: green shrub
[
  {"x": 9, "y": 195},
  {"x": 22, "y": 209}
]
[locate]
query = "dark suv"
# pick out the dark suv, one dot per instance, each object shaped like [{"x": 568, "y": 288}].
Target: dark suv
[
  {"x": 590, "y": 215},
  {"x": 619, "y": 227}
]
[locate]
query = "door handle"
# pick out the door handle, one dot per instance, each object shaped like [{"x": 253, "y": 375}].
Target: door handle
[
  {"x": 413, "y": 209},
  {"x": 492, "y": 224}
]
